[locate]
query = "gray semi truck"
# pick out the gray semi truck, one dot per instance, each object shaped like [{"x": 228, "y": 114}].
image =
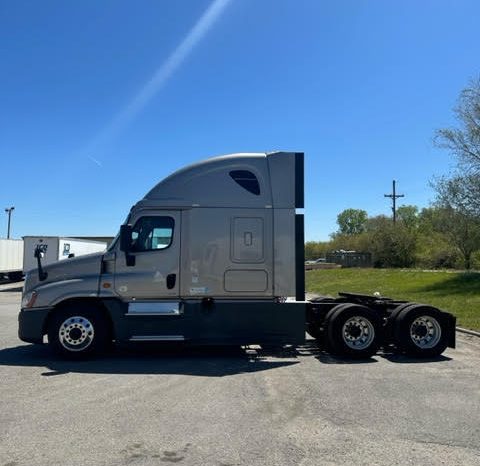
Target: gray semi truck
[{"x": 214, "y": 254}]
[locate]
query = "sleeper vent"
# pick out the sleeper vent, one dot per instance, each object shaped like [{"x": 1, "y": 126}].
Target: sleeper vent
[{"x": 246, "y": 180}]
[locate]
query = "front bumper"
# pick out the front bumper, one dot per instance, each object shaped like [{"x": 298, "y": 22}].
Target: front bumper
[{"x": 32, "y": 324}]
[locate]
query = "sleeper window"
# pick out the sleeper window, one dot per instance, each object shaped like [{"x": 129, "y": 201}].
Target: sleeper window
[
  {"x": 152, "y": 233},
  {"x": 246, "y": 180}
]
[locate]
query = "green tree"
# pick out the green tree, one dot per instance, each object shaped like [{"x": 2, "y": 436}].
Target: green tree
[
  {"x": 359, "y": 242},
  {"x": 408, "y": 216},
  {"x": 462, "y": 230},
  {"x": 316, "y": 249},
  {"x": 458, "y": 195},
  {"x": 391, "y": 245},
  {"x": 352, "y": 221},
  {"x": 462, "y": 190},
  {"x": 434, "y": 247},
  {"x": 464, "y": 141}
]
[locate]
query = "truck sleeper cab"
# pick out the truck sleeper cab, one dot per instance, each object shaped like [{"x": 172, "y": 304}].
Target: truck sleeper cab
[{"x": 207, "y": 256}]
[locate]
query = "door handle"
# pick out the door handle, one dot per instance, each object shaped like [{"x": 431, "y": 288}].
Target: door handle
[{"x": 171, "y": 279}]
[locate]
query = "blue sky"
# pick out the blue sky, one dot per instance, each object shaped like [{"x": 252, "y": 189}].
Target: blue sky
[{"x": 359, "y": 86}]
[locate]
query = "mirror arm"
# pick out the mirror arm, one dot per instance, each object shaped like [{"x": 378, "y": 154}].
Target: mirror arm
[
  {"x": 125, "y": 244},
  {"x": 39, "y": 251}
]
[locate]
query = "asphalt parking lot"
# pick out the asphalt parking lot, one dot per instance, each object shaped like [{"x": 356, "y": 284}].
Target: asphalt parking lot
[{"x": 161, "y": 405}]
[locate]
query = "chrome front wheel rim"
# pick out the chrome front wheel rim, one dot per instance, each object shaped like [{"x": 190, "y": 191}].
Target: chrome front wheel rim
[
  {"x": 358, "y": 333},
  {"x": 76, "y": 333},
  {"x": 425, "y": 332}
]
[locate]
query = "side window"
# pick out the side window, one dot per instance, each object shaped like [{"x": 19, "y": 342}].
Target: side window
[{"x": 152, "y": 233}]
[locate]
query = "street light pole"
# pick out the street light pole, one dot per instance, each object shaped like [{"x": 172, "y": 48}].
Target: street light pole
[{"x": 9, "y": 210}]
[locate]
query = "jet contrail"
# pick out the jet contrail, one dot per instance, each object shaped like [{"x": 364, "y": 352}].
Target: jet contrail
[
  {"x": 160, "y": 77},
  {"x": 93, "y": 159}
]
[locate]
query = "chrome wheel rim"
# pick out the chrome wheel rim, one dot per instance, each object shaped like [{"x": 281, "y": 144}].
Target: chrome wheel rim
[
  {"x": 76, "y": 333},
  {"x": 425, "y": 332},
  {"x": 358, "y": 333}
]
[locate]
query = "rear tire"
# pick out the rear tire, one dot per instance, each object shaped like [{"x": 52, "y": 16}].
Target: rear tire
[
  {"x": 399, "y": 309},
  {"x": 79, "y": 331},
  {"x": 389, "y": 329},
  {"x": 420, "y": 331},
  {"x": 353, "y": 331}
]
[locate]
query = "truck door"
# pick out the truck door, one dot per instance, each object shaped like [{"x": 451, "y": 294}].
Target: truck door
[{"x": 156, "y": 258}]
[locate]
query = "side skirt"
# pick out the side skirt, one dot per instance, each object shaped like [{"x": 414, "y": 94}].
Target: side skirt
[{"x": 211, "y": 322}]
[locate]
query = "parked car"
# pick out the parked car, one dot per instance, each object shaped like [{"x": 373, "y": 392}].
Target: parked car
[{"x": 316, "y": 261}]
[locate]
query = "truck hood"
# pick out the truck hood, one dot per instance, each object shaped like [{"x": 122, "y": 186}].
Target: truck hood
[{"x": 83, "y": 267}]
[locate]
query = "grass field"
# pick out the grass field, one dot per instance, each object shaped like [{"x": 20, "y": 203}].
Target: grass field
[{"x": 455, "y": 292}]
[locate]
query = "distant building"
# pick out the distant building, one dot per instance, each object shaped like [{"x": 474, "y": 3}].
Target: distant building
[
  {"x": 350, "y": 258},
  {"x": 106, "y": 239}
]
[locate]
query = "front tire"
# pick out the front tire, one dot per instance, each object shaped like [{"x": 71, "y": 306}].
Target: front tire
[{"x": 78, "y": 331}]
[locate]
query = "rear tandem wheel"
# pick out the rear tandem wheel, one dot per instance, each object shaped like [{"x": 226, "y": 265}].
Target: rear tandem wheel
[
  {"x": 420, "y": 330},
  {"x": 353, "y": 330}
]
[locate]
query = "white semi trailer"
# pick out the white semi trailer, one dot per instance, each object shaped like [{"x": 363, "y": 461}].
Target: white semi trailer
[
  {"x": 214, "y": 254},
  {"x": 57, "y": 248},
  {"x": 11, "y": 258}
]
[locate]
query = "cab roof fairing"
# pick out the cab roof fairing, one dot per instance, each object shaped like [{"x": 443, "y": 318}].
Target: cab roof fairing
[{"x": 208, "y": 183}]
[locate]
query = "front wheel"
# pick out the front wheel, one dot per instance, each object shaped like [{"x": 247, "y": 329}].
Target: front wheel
[{"x": 78, "y": 331}]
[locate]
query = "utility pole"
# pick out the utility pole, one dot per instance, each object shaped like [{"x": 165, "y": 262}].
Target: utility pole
[
  {"x": 9, "y": 211},
  {"x": 394, "y": 196}
]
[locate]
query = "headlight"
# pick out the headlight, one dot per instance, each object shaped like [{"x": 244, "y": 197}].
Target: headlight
[{"x": 29, "y": 299}]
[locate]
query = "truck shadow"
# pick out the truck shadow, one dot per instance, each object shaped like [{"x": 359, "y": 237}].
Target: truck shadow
[
  {"x": 158, "y": 359},
  {"x": 146, "y": 359},
  {"x": 405, "y": 359},
  {"x": 311, "y": 348}
]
